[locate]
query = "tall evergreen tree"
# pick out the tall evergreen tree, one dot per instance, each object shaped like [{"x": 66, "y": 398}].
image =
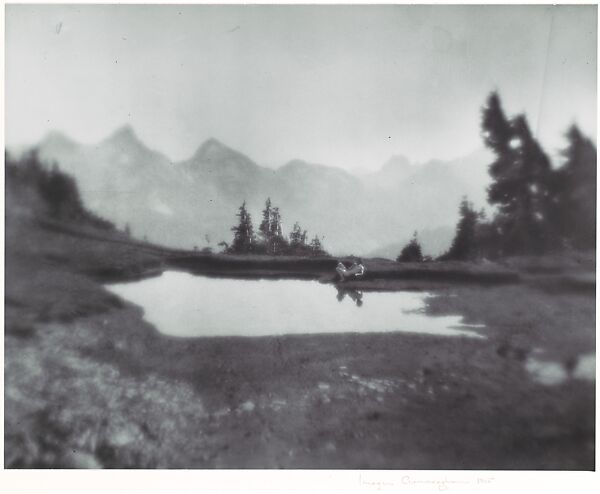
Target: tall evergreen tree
[
  {"x": 243, "y": 233},
  {"x": 279, "y": 243},
  {"x": 265, "y": 228},
  {"x": 465, "y": 244},
  {"x": 276, "y": 230},
  {"x": 412, "y": 251},
  {"x": 316, "y": 246},
  {"x": 521, "y": 174},
  {"x": 574, "y": 188},
  {"x": 297, "y": 237},
  {"x": 497, "y": 132}
]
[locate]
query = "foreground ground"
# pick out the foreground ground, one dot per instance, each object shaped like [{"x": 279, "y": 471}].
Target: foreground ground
[{"x": 89, "y": 384}]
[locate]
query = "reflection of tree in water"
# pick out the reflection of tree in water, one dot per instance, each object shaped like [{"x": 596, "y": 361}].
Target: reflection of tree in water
[{"x": 355, "y": 295}]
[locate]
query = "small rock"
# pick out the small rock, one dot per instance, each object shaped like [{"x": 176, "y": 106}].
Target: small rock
[
  {"x": 80, "y": 459},
  {"x": 247, "y": 406},
  {"x": 122, "y": 437}
]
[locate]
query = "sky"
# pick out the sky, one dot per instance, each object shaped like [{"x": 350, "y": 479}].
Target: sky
[{"x": 347, "y": 86}]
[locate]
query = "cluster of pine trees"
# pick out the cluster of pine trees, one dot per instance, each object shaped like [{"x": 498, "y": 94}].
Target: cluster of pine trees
[
  {"x": 48, "y": 191},
  {"x": 270, "y": 239},
  {"x": 539, "y": 208}
]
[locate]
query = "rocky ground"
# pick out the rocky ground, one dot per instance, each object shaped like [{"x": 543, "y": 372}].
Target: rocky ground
[{"x": 89, "y": 384}]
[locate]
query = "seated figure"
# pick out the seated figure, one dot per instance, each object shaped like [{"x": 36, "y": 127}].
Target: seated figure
[{"x": 357, "y": 269}]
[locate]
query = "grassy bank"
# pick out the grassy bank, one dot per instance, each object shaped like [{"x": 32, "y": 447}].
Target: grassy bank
[
  {"x": 89, "y": 384},
  {"x": 324, "y": 268}
]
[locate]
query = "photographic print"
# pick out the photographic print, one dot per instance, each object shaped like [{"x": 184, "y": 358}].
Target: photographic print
[{"x": 300, "y": 237}]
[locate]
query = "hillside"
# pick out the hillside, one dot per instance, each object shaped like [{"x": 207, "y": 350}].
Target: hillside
[{"x": 89, "y": 383}]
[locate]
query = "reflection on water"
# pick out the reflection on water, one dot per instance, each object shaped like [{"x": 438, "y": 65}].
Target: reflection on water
[
  {"x": 551, "y": 373},
  {"x": 355, "y": 295},
  {"x": 181, "y": 304}
]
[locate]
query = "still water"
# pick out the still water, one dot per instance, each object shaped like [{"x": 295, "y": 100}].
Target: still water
[{"x": 181, "y": 304}]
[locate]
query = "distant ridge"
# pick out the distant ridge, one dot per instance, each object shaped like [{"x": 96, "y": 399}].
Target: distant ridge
[{"x": 182, "y": 204}]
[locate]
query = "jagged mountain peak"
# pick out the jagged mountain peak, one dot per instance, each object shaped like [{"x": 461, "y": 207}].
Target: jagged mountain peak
[
  {"x": 124, "y": 134},
  {"x": 301, "y": 165},
  {"x": 396, "y": 162},
  {"x": 213, "y": 151},
  {"x": 57, "y": 138},
  {"x": 128, "y": 183},
  {"x": 125, "y": 142},
  {"x": 212, "y": 148}
]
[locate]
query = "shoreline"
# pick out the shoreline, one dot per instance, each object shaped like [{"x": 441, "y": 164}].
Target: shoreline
[{"x": 90, "y": 384}]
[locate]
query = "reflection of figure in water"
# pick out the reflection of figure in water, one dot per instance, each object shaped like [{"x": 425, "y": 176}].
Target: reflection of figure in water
[{"x": 352, "y": 293}]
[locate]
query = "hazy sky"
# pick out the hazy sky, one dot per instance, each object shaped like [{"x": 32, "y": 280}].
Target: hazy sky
[{"x": 345, "y": 86}]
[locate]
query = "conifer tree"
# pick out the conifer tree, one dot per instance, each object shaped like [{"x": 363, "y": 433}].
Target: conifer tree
[
  {"x": 465, "y": 244},
  {"x": 521, "y": 176},
  {"x": 265, "y": 228},
  {"x": 412, "y": 251},
  {"x": 574, "y": 187},
  {"x": 279, "y": 243},
  {"x": 297, "y": 236},
  {"x": 243, "y": 233},
  {"x": 316, "y": 246}
]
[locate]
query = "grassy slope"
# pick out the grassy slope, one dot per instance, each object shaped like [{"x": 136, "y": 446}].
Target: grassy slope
[{"x": 89, "y": 384}]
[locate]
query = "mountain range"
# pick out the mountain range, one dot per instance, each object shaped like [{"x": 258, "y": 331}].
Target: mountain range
[{"x": 194, "y": 202}]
